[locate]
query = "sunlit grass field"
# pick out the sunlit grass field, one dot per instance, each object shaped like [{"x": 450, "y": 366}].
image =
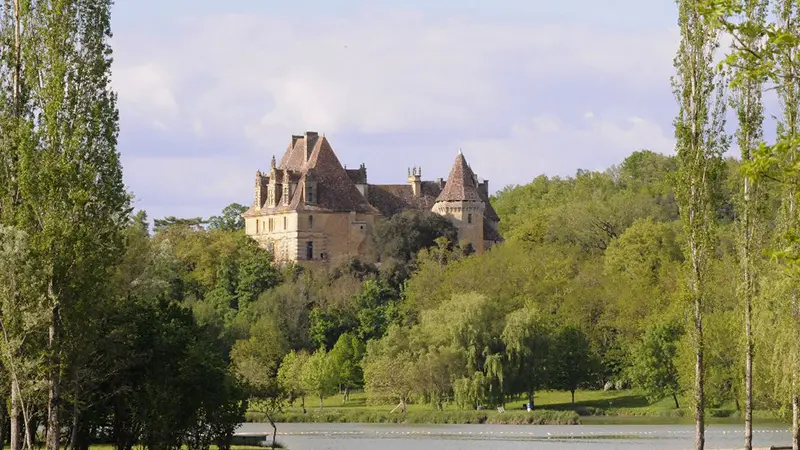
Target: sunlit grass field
[{"x": 552, "y": 407}]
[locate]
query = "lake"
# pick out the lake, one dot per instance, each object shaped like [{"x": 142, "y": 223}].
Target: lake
[{"x": 346, "y": 436}]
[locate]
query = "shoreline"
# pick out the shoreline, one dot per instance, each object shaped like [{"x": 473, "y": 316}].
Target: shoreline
[{"x": 456, "y": 417}]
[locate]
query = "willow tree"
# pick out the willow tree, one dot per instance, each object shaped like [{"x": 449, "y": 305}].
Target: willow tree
[
  {"x": 747, "y": 100},
  {"x": 67, "y": 192},
  {"x": 700, "y": 145}
]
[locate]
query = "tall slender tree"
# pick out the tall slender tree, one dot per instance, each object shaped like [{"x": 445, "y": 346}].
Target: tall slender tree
[
  {"x": 787, "y": 13},
  {"x": 700, "y": 144},
  {"x": 747, "y": 100},
  {"x": 15, "y": 112},
  {"x": 772, "y": 51},
  {"x": 67, "y": 191}
]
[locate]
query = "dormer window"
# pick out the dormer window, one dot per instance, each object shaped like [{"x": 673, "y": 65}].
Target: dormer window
[
  {"x": 310, "y": 194},
  {"x": 310, "y": 222},
  {"x": 469, "y": 218}
]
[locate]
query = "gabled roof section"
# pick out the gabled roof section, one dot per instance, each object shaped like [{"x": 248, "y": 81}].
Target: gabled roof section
[
  {"x": 335, "y": 189},
  {"x": 295, "y": 157},
  {"x": 460, "y": 184},
  {"x": 391, "y": 199}
]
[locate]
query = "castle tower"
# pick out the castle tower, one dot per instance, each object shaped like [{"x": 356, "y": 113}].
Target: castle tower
[{"x": 460, "y": 201}]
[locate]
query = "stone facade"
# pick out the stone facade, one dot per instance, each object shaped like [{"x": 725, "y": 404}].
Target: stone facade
[{"x": 310, "y": 209}]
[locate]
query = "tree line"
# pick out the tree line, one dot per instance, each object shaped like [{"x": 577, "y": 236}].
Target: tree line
[{"x": 113, "y": 333}]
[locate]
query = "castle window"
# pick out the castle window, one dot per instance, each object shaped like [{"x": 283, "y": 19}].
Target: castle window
[
  {"x": 469, "y": 218},
  {"x": 309, "y": 194},
  {"x": 257, "y": 221},
  {"x": 285, "y": 224},
  {"x": 309, "y": 250},
  {"x": 310, "y": 222},
  {"x": 271, "y": 224}
]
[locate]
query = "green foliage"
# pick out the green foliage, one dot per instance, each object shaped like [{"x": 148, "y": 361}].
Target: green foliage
[
  {"x": 319, "y": 376},
  {"x": 403, "y": 235},
  {"x": 346, "y": 357},
  {"x": 574, "y": 364},
  {"x": 653, "y": 367},
  {"x": 290, "y": 374},
  {"x": 166, "y": 223},
  {"x": 377, "y": 309},
  {"x": 230, "y": 220}
]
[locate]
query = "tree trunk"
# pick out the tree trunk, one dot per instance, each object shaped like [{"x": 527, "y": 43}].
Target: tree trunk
[
  {"x": 16, "y": 420},
  {"x": 321, "y": 402},
  {"x": 748, "y": 312},
  {"x": 573, "y": 397},
  {"x": 796, "y": 422},
  {"x": 30, "y": 432},
  {"x": 54, "y": 382},
  {"x": 675, "y": 399},
  {"x": 274, "y": 429},
  {"x": 303, "y": 402},
  {"x": 699, "y": 394},
  {"x": 531, "y": 393},
  {"x": 74, "y": 438},
  {"x": 2, "y": 424}
]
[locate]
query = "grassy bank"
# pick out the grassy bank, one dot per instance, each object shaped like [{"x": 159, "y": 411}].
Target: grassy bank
[
  {"x": 552, "y": 408},
  {"x": 334, "y": 415}
]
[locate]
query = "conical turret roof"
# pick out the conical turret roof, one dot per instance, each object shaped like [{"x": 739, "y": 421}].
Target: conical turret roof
[{"x": 461, "y": 183}]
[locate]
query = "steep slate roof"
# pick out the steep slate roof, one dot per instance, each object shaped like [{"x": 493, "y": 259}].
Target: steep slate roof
[
  {"x": 356, "y": 176},
  {"x": 489, "y": 233},
  {"x": 489, "y": 213},
  {"x": 391, "y": 199},
  {"x": 335, "y": 190},
  {"x": 460, "y": 184},
  {"x": 295, "y": 156}
]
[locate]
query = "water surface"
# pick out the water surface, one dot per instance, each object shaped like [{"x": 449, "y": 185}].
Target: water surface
[{"x": 347, "y": 436}]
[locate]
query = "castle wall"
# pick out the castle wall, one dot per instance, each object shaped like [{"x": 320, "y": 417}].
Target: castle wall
[
  {"x": 277, "y": 233},
  {"x": 334, "y": 237},
  {"x": 467, "y": 218}
]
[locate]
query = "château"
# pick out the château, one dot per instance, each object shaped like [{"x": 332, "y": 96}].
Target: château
[{"x": 309, "y": 208}]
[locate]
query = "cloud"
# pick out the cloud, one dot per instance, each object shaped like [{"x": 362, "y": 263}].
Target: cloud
[
  {"x": 391, "y": 90},
  {"x": 554, "y": 146},
  {"x": 145, "y": 89}
]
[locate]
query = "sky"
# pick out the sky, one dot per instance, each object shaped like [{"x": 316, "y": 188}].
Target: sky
[{"x": 210, "y": 90}]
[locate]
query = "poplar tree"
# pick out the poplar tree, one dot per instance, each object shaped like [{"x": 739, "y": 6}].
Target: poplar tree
[
  {"x": 67, "y": 192},
  {"x": 786, "y": 152},
  {"x": 771, "y": 51},
  {"x": 747, "y": 100},
  {"x": 700, "y": 144}
]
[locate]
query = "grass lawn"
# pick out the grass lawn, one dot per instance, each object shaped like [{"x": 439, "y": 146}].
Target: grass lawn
[{"x": 606, "y": 407}]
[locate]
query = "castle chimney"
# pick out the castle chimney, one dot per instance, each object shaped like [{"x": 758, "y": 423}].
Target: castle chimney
[
  {"x": 361, "y": 184},
  {"x": 260, "y": 194},
  {"x": 295, "y": 137},
  {"x": 415, "y": 180},
  {"x": 310, "y": 142}
]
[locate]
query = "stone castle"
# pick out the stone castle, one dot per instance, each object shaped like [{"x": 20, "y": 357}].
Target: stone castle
[{"x": 309, "y": 208}]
